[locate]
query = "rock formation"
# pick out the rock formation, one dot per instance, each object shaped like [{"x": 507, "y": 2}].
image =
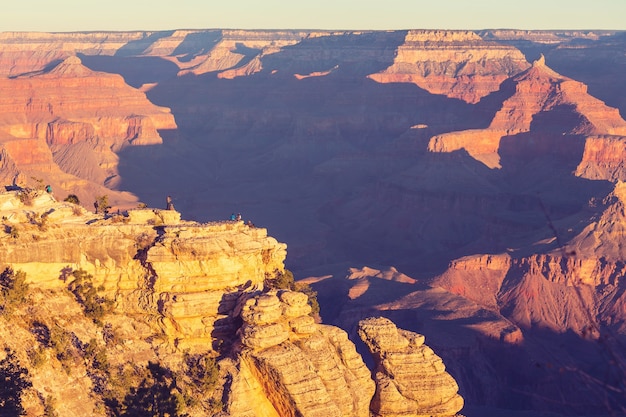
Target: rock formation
[
  {"x": 177, "y": 288},
  {"x": 603, "y": 158},
  {"x": 66, "y": 124},
  {"x": 185, "y": 275},
  {"x": 591, "y": 260},
  {"x": 539, "y": 91},
  {"x": 458, "y": 64},
  {"x": 491, "y": 265},
  {"x": 26, "y": 52},
  {"x": 399, "y": 391},
  {"x": 303, "y": 368}
]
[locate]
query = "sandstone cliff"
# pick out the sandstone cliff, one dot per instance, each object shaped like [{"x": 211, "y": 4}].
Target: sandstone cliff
[
  {"x": 303, "y": 368},
  {"x": 524, "y": 121},
  {"x": 66, "y": 123},
  {"x": 399, "y": 391},
  {"x": 457, "y": 64},
  {"x": 180, "y": 294},
  {"x": 352, "y": 184}
]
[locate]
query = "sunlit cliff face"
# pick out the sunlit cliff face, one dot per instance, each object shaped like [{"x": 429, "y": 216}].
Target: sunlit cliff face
[
  {"x": 144, "y": 294},
  {"x": 468, "y": 185}
]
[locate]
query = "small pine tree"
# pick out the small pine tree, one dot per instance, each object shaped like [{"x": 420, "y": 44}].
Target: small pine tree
[
  {"x": 102, "y": 204},
  {"x": 156, "y": 395},
  {"x": 94, "y": 306},
  {"x": 72, "y": 198},
  {"x": 13, "y": 289},
  {"x": 285, "y": 281}
]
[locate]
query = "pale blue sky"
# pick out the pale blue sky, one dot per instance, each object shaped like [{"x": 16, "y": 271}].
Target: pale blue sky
[{"x": 86, "y": 15}]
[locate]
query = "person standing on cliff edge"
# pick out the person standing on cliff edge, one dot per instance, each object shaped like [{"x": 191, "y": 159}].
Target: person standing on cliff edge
[{"x": 168, "y": 203}]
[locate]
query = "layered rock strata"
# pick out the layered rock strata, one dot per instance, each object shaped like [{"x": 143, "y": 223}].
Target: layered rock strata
[
  {"x": 183, "y": 277},
  {"x": 578, "y": 287},
  {"x": 603, "y": 158},
  {"x": 411, "y": 379},
  {"x": 51, "y": 105},
  {"x": 66, "y": 123},
  {"x": 538, "y": 92},
  {"x": 458, "y": 64},
  {"x": 301, "y": 367},
  {"x": 198, "y": 288}
]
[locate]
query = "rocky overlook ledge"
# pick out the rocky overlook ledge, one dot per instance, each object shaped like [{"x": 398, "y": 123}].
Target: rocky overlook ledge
[{"x": 105, "y": 313}]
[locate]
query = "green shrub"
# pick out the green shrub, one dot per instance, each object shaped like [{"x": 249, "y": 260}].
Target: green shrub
[
  {"x": 13, "y": 289},
  {"x": 39, "y": 220},
  {"x": 37, "y": 357},
  {"x": 61, "y": 343},
  {"x": 97, "y": 356},
  {"x": 281, "y": 281},
  {"x": 203, "y": 371},
  {"x": 41, "y": 332},
  {"x": 156, "y": 395},
  {"x": 120, "y": 383},
  {"x": 12, "y": 230},
  {"x": 102, "y": 204},
  {"x": 49, "y": 407},
  {"x": 27, "y": 196},
  {"x": 311, "y": 293},
  {"x": 285, "y": 281},
  {"x": 72, "y": 198},
  {"x": 94, "y": 306}
]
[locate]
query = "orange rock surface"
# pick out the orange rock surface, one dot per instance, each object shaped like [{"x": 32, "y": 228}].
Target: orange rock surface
[
  {"x": 457, "y": 64},
  {"x": 537, "y": 92},
  {"x": 56, "y": 111}
]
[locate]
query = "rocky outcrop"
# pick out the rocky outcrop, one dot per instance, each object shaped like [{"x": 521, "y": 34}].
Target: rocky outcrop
[
  {"x": 411, "y": 379},
  {"x": 301, "y": 367},
  {"x": 183, "y": 277},
  {"x": 482, "y": 277},
  {"x": 577, "y": 287},
  {"x": 179, "y": 288},
  {"x": 65, "y": 124},
  {"x": 457, "y": 64},
  {"x": 537, "y": 92},
  {"x": 603, "y": 158}
]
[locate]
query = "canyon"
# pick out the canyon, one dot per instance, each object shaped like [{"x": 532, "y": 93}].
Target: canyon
[{"x": 467, "y": 185}]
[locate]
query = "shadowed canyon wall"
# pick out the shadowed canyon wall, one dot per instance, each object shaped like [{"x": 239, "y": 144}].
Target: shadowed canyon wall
[{"x": 474, "y": 178}]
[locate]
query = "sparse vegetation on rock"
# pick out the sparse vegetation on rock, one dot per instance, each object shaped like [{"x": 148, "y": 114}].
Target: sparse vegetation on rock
[
  {"x": 27, "y": 196},
  {"x": 14, "y": 379},
  {"x": 102, "y": 204},
  {"x": 179, "y": 290},
  {"x": 285, "y": 280},
  {"x": 72, "y": 198},
  {"x": 94, "y": 305},
  {"x": 13, "y": 289}
]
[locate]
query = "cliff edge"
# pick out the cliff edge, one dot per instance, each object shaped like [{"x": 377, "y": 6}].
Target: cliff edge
[{"x": 140, "y": 311}]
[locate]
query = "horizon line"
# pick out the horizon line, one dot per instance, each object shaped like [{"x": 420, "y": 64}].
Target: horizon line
[{"x": 314, "y": 30}]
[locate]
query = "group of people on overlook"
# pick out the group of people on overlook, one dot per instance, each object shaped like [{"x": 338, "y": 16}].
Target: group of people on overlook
[
  {"x": 237, "y": 217},
  {"x": 169, "y": 205}
]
